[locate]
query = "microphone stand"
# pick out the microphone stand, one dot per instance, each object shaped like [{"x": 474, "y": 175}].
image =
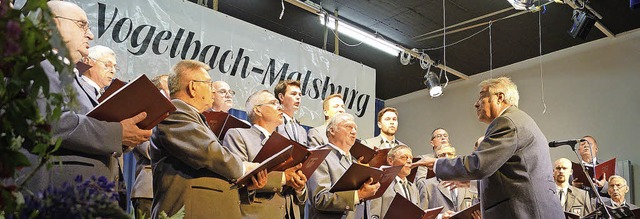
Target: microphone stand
[{"x": 593, "y": 187}]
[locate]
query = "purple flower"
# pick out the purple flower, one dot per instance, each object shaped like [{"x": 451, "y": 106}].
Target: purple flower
[
  {"x": 13, "y": 29},
  {"x": 11, "y": 48}
]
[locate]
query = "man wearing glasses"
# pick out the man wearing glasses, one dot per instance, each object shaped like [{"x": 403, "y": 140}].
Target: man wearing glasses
[
  {"x": 191, "y": 169},
  {"x": 223, "y": 97},
  {"x": 99, "y": 76},
  {"x": 87, "y": 144},
  {"x": 512, "y": 163},
  {"x": 274, "y": 200}
]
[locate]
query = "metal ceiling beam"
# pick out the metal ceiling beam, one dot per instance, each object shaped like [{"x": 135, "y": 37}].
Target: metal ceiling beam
[{"x": 416, "y": 55}]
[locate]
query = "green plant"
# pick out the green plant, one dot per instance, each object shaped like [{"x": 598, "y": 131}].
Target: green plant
[{"x": 29, "y": 37}]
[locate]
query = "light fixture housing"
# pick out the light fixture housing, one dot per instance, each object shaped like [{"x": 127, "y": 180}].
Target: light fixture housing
[
  {"x": 433, "y": 84},
  {"x": 521, "y": 4},
  {"x": 367, "y": 38}
]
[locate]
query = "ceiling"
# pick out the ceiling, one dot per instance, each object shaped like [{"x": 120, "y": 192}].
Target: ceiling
[{"x": 400, "y": 21}]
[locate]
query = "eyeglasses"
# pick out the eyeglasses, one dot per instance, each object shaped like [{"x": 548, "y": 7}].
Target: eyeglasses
[
  {"x": 82, "y": 24},
  {"x": 209, "y": 82},
  {"x": 275, "y": 103},
  {"x": 108, "y": 65},
  {"x": 226, "y": 92},
  {"x": 619, "y": 186}
]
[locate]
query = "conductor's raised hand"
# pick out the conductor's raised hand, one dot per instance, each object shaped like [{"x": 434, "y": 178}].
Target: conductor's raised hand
[
  {"x": 131, "y": 134},
  {"x": 425, "y": 162}
]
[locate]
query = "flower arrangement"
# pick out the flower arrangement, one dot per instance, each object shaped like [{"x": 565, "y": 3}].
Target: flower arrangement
[
  {"x": 93, "y": 198},
  {"x": 29, "y": 36}
]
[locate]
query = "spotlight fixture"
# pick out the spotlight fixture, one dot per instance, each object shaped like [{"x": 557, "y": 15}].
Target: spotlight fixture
[
  {"x": 521, "y": 4},
  {"x": 583, "y": 21},
  {"x": 406, "y": 58},
  {"x": 433, "y": 84}
]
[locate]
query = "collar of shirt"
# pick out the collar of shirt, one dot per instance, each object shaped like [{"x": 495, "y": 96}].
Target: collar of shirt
[
  {"x": 589, "y": 164},
  {"x": 385, "y": 140},
  {"x": 263, "y": 130},
  {"x": 91, "y": 82},
  {"x": 400, "y": 180},
  {"x": 505, "y": 109},
  {"x": 563, "y": 188},
  {"x": 287, "y": 118},
  {"x": 343, "y": 153},
  {"x": 616, "y": 205}
]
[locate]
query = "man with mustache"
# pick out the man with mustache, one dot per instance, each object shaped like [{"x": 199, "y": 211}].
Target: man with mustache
[
  {"x": 388, "y": 124},
  {"x": 572, "y": 199},
  {"x": 400, "y": 155}
]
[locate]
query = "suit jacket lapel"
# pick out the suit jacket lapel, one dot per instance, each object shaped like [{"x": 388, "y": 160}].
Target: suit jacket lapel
[
  {"x": 88, "y": 90},
  {"x": 445, "y": 191}
]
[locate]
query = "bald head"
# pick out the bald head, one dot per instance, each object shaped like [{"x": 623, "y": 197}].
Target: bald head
[
  {"x": 223, "y": 97},
  {"x": 562, "y": 171},
  {"x": 73, "y": 25}
]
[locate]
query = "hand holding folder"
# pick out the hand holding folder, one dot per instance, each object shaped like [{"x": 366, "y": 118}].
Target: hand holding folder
[
  {"x": 607, "y": 168},
  {"x": 221, "y": 122},
  {"x": 467, "y": 213},
  {"x": 138, "y": 96},
  {"x": 373, "y": 157},
  {"x": 400, "y": 207},
  {"x": 310, "y": 158},
  {"x": 358, "y": 174}
]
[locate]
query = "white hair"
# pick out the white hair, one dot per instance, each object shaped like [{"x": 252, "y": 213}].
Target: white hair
[
  {"x": 252, "y": 101},
  {"x": 97, "y": 52},
  {"x": 503, "y": 85}
]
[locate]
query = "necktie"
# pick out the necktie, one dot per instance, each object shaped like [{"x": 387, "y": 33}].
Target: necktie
[
  {"x": 561, "y": 193},
  {"x": 454, "y": 199},
  {"x": 345, "y": 161},
  {"x": 405, "y": 186},
  {"x": 294, "y": 130}
]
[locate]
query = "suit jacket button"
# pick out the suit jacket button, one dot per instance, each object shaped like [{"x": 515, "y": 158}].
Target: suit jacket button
[{"x": 347, "y": 207}]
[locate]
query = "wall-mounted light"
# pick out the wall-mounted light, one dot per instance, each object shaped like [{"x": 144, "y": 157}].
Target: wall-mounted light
[
  {"x": 367, "y": 38},
  {"x": 433, "y": 84}
]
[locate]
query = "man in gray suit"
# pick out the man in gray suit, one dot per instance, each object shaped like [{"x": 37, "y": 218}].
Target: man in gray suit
[
  {"x": 435, "y": 193},
  {"x": 618, "y": 188},
  {"x": 512, "y": 162},
  {"x": 285, "y": 191},
  {"x": 88, "y": 145},
  {"x": 289, "y": 94},
  {"x": 439, "y": 137},
  {"x": 572, "y": 199},
  {"x": 341, "y": 132},
  {"x": 331, "y": 106},
  {"x": 142, "y": 190},
  {"x": 190, "y": 167},
  {"x": 103, "y": 70},
  {"x": 388, "y": 124},
  {"x": 589, "y": 157},
  {"x": 398, "y": 156}
]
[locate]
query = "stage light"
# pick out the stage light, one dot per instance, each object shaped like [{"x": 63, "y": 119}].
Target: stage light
[
  {"x": 433, "y": 84},
  {"x": 583, "y": 21},
  {"x": 521, "y": 4},
  {"x": 367, "y": 38}
]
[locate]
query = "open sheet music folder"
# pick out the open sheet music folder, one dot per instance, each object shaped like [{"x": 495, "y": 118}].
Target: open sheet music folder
[{"x": 138, "y": 96}]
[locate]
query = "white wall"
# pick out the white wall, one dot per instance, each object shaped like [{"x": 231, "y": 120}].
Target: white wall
[{"x": 590, "y": 89}]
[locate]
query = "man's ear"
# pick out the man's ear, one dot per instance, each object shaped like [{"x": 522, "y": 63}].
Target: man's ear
[
  {"x": 501, "y": 97},
  {"x": 379, "y": 124},
  {"x": 191, "y": 89},
  {"x": 280, "y": 97}
]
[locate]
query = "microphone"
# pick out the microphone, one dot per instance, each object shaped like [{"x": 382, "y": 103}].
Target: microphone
[{"x": 570, "y": 142}]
